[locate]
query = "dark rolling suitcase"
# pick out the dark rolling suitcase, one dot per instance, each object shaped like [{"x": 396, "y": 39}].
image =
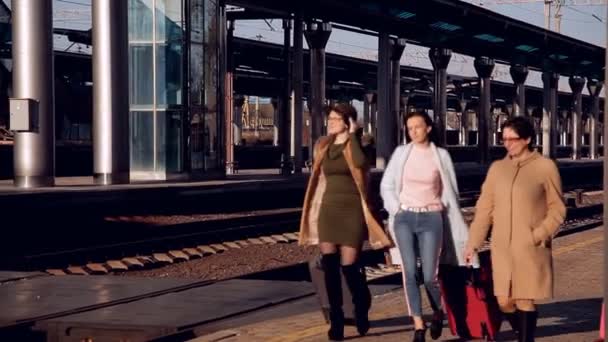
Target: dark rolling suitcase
[{"x": 318, "y": 281}]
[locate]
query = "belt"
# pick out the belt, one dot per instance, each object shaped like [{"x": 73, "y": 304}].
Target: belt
[{"x": 428, "y": 208}]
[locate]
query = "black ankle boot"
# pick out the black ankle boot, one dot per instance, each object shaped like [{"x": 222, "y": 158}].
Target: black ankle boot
[
  {"x": 419, "y": 335},
  {"x": 513, "y": 319},
  {"x": 527, "y": 325},
  {"x": 361, "y": 296},
  {"x": 437, "y": 325},
  {"x": 333, "y": 285}
]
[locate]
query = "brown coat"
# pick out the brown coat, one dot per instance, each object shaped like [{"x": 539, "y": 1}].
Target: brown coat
[
  {"x": 523, "y": 203},
  {"x": 314, "y": 195}
]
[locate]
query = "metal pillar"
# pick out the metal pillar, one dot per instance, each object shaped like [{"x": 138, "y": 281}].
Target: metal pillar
[
  {"x": 238, "y": 118},
  {"x": 297, "y": 121},
  {"x": 367, "y": 101},
  {"x": 440, "y": 58},
  {"x": 229, "y": 98},
  {"x": 405, "y": 99},
  {"x": 397, "y": 46},
  {"x": 33, "y": 77},
  {"x": 384, "y": 148},
  {"x": 576, "y": 84},
  {"x": 484, "y": 67},
  {"x": 275, "y": 120},
  {"x": 317, "y": 35},
  {"x": 594, "y": 87},
  {"x": 370, "y": 120},
  {"x": 284, "y": 117},
  {"x": 519, "y": 73},
  {"x": 464, "y": 123},
  {"x": 549, "y": 121}
]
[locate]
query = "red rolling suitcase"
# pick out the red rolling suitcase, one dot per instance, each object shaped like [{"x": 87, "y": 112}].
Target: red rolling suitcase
[
  {"x": 602, "y": 324},
  {"x": 469, "y": 300}
]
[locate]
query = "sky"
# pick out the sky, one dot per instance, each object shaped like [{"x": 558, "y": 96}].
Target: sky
[{"x": 583, "y": 22}]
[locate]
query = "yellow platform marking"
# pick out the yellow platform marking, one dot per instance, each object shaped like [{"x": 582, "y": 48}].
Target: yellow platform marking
[{"x": 577, "y": 245}]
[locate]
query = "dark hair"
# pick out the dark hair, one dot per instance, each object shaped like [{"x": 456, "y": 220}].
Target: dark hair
[
  {"x": 345, "y": 110},
  {"x": 522, "y": 126},
  {"x": 433, "y": 137}
]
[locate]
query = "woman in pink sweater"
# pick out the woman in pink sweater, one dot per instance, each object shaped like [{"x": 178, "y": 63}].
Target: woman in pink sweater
[{"x": 420, "y": 193}]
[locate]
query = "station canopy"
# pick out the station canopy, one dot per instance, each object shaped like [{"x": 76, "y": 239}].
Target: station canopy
[{"x": 465, "y": 28}]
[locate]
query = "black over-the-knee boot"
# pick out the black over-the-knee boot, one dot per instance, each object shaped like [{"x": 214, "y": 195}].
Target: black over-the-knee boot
[
  {"x": 333, "y": 284},
  {"x": 527, "y": 325},
  {"x": 513, "y": 319},
  {"x": 361, "y": 297}
]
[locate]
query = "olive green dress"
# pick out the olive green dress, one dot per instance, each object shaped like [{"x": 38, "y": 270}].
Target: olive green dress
[{"x": 341, "y": 219}]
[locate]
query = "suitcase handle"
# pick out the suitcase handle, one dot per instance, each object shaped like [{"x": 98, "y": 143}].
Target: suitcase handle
[{"x": 475, "y": 280}]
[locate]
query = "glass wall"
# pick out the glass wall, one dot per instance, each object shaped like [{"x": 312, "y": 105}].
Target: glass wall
[
  {"x": 174, "y": 129},
  {"x": 205, "y": 124}
]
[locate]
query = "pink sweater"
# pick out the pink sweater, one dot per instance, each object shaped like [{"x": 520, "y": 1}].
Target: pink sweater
[{"x": 421, "y": 184}]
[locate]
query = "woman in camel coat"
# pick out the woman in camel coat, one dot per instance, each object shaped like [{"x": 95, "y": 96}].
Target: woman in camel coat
[{"x": 521, "y": 199}]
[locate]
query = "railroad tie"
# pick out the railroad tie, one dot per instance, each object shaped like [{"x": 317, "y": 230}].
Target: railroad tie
[
  {"x": 117, "y": 265},
  {"x": 291, "y": 236},
  {"x": 242, "y": 243},
  {"x": 232, "y": 244},
  {"x": 96, "y": 268},
  {"x": 56, "y": 272},
  {"x": 268, "y": 240},
  {"x": 193, "y": 253},
  {"x": 162, "y": 258},
  {"x": 206, "y": 250},
  {"x": 133, "y": 262},
  {"x": 255, "y": 241},
  {"x": 145, "y": 260},
  {"x": 280, "y": 238},
  {"x": 178, "y": 256},
  {"x": 77, "y": 270},
  {"x": 219, "y": 247}
]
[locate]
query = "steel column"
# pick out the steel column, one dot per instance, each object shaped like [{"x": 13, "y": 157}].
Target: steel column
[
  {"x": 440, "y": 58},
  {"x": 594, "y": 87},
  {"x": 317, "y": 35},
  {"x": 549, "y": 121},
  {"x": 297, "y": 120},
  {"x": 484, "y": 67},
  {"x": 576, "y": 84},
  {"x": 519, "y": 73},
  {"x": 383, "y": 146},
  {"x": 33, "y": 77}
]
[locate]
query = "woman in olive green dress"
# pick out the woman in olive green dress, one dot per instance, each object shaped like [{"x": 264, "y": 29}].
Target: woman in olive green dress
[{"x": 341, "y": 223}]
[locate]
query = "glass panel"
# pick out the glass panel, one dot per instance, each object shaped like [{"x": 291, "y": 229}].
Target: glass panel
[
  {"x": 140, "y": 75},
  {"x": 142, "y": 141},
  {"x": 197, "y": 20},
  {"x": 161, "y": 141},
  {"x": 196, "y": 138},
  {"x": 174, "y": 141},
  {"x": 140, "y": 20},
  {"x": 196, "y": 77},
  {"x": 168, "y": 20},
  {"x": 169, "y": 84},
  {"x": 211, "y": 72}
]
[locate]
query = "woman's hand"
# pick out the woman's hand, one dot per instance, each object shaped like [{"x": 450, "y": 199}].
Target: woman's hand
[
  {"x": 468, "y": 255},
  {"x": 352, "y": 125}
]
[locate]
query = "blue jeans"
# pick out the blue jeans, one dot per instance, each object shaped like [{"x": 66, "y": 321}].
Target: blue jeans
[{"x": 427, "y": 229}]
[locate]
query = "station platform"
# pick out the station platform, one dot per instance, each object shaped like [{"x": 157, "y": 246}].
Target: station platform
[
  {"x": 261, "y": 307},
  {"x": 573, "y": 314}
]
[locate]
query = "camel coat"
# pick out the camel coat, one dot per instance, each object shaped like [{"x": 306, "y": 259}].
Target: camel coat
[
  {"x": 314, "y": 195},
  {"x": 523, "y": 203}
]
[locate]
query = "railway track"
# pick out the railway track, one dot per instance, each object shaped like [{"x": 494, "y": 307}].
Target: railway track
[{"x": 167, "y": 244}]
